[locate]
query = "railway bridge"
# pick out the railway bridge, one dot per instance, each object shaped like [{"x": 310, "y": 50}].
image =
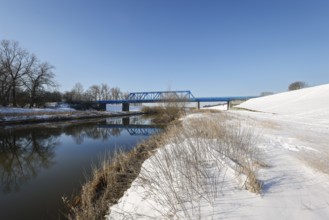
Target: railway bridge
[{"x": 170, "y": 96}]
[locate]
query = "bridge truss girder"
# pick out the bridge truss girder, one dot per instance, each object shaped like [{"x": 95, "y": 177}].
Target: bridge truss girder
[{"x": 161, "y": 95}]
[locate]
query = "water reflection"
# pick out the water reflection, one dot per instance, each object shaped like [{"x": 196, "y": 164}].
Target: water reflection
[
  {"x": 22, "y": 154},
  {"x": 25, "y": 150},
  {"x": 39, "y": 163},
  {"x": 134, "y": 126},
  {"x": 80, "y": 133}
]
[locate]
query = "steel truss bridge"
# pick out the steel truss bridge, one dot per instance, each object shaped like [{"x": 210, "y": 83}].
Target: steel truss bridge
[{"x": 169, "y": 96}]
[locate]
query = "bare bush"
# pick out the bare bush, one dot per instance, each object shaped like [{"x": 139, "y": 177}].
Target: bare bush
[
  {"x": 172, "y": 109},
  {"x": 297, "y": 85}
]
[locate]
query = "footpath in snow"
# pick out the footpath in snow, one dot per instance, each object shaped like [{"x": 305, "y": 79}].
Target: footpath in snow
[{"x": 293, "y": 131}]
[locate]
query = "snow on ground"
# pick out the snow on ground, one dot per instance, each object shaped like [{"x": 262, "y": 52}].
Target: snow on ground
[
  {"x": 306, "y": 104},
  {"x": 4, "y": 110},
  {"x": 28, "y": 114},
  {"x": 295, "y": 185}
]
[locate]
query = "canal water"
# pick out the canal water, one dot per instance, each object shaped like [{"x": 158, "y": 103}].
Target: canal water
[{"x": 41, "y": 163}]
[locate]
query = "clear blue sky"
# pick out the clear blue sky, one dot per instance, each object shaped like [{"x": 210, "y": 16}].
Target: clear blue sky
[{"x": 211, "y": 47}]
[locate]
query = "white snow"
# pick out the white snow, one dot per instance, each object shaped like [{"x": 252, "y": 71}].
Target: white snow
[
  {"x": 307, "y": 104},
  {"x": 5, "y": 110},
  {"x": 294, "y": 136}
]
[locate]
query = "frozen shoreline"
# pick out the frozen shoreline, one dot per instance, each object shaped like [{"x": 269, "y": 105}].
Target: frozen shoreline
[{"x": 10, "y": 116}]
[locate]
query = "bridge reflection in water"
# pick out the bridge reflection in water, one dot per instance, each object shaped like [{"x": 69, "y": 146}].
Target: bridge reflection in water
[{"x": 132, "y": 128}]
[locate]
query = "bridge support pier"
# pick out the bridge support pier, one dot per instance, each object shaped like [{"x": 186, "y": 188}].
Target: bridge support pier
[{"x": 125, "y": 107}]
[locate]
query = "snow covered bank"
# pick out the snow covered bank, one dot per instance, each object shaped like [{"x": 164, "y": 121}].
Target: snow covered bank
[
  {"x": 184, "y": 179},
  {"x": 295, "y": 184},
  {"x": 312, "y": 103},
  {"x": 27, "y": 115}
]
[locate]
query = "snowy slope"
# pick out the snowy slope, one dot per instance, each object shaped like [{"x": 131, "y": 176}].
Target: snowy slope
[{"x": 310, "y": 102}]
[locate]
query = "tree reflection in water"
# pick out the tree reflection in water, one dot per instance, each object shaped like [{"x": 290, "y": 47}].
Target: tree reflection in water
[
  {"x": 22, "y": 154},
  {"x": 24, "y": 151},
  {"x": 79, "y": 133}
]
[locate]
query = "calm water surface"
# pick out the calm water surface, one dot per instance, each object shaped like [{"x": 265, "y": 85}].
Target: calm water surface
[{"x": 41, "y": 163}]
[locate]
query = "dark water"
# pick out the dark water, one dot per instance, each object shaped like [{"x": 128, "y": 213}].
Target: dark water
[{"x": 41, "y": 163}]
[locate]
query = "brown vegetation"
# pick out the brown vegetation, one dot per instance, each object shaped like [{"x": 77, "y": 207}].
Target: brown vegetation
[
  {"x": 192, "y": 163},
  {"x": 201, "y": 143},
  {"x": 109, "y": 181},
  {"x": 163, "y": 114}
]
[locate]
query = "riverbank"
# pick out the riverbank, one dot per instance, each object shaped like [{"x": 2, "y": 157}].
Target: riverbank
[
  {"x": 199, "y": 173},
  {"x": 115, "y": 173},
  {"x": 12, "y": 116},
  {"x": 110, "y": 179}
]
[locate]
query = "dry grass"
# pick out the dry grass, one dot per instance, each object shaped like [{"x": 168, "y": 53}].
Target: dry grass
[
  {"x": 269, "y": 124},
  {"x": 109, "y": 180},
  {"x": 164, "y": 114},
  {"x": 206, "y": 111},
  {"x": 190, "y": 169},
  {"x": 192, "y": 166},
  {"x": 231, "y": 140},
  {"x": 316, "y": 160}
]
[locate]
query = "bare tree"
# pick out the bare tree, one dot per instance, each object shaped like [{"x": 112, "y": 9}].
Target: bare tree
[
  {"x": 37, "y": 79},
  {"x": 16, "y": 63},
  {"x": 4, "y": 82},
  {"x": 115, "y": 93},
  {"x": 297, "y": 85},
  {"x": 124, "y": 95},
  {"x": 94, "y": 93},
  {"x": 77, "y": 92},
  {"x": 105, "y": 92}
]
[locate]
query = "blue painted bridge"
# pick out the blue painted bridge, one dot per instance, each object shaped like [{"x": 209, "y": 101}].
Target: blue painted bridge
[{"x": 169, "y": 96}]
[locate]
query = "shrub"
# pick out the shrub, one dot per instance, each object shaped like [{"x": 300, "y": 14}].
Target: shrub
[{"x": 297, "y": 85}]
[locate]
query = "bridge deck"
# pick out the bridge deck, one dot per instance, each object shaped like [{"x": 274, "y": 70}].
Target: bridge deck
[{"x": 201, "y": 99}]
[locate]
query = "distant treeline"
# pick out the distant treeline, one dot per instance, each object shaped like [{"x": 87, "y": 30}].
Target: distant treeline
[{"x": 25, "y": 81}]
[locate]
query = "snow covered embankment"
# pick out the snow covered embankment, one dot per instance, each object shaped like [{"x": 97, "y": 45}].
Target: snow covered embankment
[
  {"x": 185, "y": 179},
  {"x": 309, "y": 104},
  {"x": 295, "y": 185}
]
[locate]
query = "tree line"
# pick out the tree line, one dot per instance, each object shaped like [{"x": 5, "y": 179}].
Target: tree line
[
  {"x": 81, "y": 99},
  {"x": 27, "y": 81},
  {"x": 93, "y": 93},
  {"x": 23, "y": 77}
]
